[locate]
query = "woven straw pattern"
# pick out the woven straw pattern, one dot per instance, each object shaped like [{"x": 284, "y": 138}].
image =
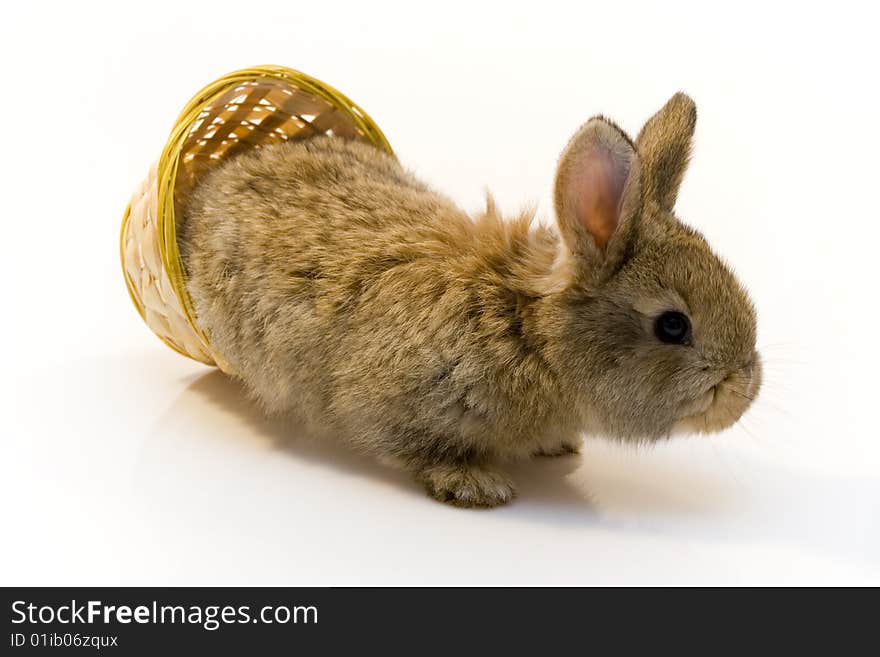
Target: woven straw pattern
[
  {"x": 246, "y": 109},
  {"x": 148, "y": 283}
]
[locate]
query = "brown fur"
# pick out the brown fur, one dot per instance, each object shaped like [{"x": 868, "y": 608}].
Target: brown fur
[{"x": 344, "y": 290}]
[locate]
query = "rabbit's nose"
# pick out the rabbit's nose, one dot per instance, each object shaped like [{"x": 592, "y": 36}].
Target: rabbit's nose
[{"x": 745, "y": 368}]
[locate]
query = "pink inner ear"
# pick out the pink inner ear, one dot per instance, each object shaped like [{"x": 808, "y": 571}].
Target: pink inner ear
[{"x": 598, "y": 188}]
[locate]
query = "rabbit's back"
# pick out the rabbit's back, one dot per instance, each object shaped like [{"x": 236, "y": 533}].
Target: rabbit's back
[{"x": 339, "y": 286}]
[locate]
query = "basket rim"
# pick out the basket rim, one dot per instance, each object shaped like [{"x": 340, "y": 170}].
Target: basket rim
[{"x": 167, "y": 174}]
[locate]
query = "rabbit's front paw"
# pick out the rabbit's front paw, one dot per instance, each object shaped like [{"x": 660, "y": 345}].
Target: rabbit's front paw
[{"x": 467, "y": 485}]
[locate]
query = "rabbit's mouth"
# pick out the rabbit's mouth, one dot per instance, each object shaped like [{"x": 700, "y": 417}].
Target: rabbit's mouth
[
  {"x": 724, "y": 403},
  {"x": 702, "y": 405}
]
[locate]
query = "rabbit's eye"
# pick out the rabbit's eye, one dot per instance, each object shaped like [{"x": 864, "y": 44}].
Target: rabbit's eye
[{"x": 673, "y": 327}]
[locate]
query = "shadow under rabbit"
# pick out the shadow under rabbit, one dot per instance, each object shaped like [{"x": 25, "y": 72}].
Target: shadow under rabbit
[
  {"x": 546, "y": 485},
  {"x": 602, "y": 488},
  {"x": 549, "y": 489}
]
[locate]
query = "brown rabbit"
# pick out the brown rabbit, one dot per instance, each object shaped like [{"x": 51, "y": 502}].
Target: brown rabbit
[{"x": 341, "y": 288}]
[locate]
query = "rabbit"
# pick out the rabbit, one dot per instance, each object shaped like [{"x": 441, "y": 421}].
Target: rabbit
[{"x": 341, "y": 288}]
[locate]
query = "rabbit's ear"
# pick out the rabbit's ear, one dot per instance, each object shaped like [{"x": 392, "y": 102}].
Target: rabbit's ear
[
  {"x": 664, "y": 146},
  {"x": 596, "y": 193}
]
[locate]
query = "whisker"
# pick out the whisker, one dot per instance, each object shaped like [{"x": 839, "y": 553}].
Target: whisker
[
  {"x": 742, "y": 425},
  {"x": 764, "y": 401},
  {"x": 741, "y": 395}
]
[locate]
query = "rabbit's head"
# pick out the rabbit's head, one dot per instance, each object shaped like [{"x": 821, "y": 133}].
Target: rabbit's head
[{"x": 649, "y": 326}]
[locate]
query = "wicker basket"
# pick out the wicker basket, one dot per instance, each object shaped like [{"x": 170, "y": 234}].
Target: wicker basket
[{"x": 242, "y": 110}]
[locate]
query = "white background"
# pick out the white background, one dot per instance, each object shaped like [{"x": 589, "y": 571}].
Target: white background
[{"x": 124, "y": 463}]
